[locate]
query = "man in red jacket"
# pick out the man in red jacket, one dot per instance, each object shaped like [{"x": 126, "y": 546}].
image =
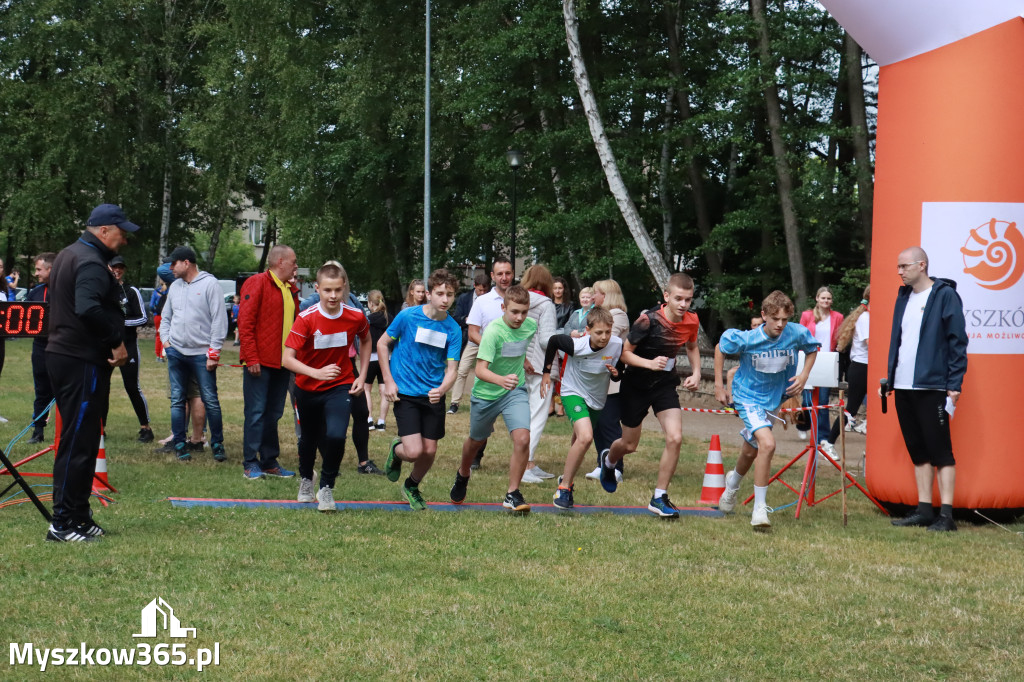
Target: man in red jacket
[{"x": 265, "y": 316}]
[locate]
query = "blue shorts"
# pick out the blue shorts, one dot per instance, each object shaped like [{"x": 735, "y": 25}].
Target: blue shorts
[
  {"x": 514, "y": 408},
  {"x": 754, "y": 417}
]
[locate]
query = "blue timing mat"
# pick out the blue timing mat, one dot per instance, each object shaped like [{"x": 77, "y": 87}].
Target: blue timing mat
[{"x": 435, "y": 506}]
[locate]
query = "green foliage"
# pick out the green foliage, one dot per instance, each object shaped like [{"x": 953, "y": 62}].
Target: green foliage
[
  {"x": 314, "y": 112},
  {"x": 234, "y": 254}
]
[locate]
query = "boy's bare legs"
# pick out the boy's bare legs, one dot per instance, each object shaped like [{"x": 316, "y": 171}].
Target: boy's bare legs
[
  {"x": 582, "y": 437},
  {"x": 419, "y": 451},
  {"x": 517, "y": 463},
  {"x": 626, "y": 444},
  {"x": 672, "y": 424},
  {"x": 470, "y": 448}
]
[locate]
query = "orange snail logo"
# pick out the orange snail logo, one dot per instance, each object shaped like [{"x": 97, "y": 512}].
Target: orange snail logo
[{"x": 994, "y": 254}]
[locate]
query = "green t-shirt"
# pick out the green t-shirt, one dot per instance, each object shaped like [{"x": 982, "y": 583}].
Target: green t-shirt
[{"x": 505, "y": 349}]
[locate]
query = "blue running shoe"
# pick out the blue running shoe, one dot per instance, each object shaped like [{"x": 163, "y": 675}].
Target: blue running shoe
[
  {"x": 253, "y": 473},
  {"x": 663, "y": 507},
  {"x": 608, "y": 481},
  {"x": 563, "y": 498},
  {"x": 278, "y": 472}
]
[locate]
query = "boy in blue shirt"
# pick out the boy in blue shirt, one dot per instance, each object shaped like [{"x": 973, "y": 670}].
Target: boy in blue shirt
[
  {"x": 428, "y": 345},
  {"x": 766, "y": 375}
]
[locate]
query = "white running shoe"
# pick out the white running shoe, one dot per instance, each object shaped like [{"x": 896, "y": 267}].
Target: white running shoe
[
  {"x": 802, "y": 435},
  {"x": 325, "y": 500},
  {"x": 530, "y": 477},
  {"x": 862, "y": 427},
  {"x": 727, "y": 502},
  {"x": 618, "y": 476},
  {"x": 759, "y": 519},
  {"x": 306, "y": 490},
  {"x": 829, "y": 450},
  {"x": 540, "y": 473},
  {"x": 595, "y": 475}
]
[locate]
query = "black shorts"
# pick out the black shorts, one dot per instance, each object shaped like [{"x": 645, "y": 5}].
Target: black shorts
[
  {"x": 416, "y": 414},
  {"x": 925, "y": 426},
  {"x": 374, "y": 374},
  {"x": 637, "y": 397}
]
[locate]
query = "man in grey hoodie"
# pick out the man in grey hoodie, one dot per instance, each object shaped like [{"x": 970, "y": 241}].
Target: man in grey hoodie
[{"x": 193, "y": 327}]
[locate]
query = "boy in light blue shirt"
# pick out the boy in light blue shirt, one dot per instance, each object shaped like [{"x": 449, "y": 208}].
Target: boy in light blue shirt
[
  {"x": 766, "y": 375},
  {"x": 417, "y": 372}
]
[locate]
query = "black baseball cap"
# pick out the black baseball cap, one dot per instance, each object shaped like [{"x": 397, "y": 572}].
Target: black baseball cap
[
  {"x": 110, "y": 214},
  {"x": 117, "y": 260},
  {"x": 183, "y": 253}
]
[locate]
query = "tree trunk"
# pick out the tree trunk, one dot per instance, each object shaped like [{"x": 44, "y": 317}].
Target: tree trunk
[
  {"x": 663, "y": 184},
  {"x": 604, "y": 151},
  {"x": 783, "y": 173},
  {"x": 861, "y": 151},
  {"x": 673, "y": 17},
  {"x": 165, "y": 214}
]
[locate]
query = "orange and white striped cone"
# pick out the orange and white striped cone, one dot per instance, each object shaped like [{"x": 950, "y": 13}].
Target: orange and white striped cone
[
  {"x": 100, "y": 481},
  {"x": 714, "y": 474}
]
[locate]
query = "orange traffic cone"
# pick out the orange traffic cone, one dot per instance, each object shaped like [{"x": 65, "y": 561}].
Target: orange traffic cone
[
  {"x": 714, "y": 474},
  {"x": 100, "y": 481}
]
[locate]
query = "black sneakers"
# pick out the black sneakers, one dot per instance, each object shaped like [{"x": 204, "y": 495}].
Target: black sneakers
[
  {"x": 514, "y": 501},
  {"x": 458, "y": 491},
  {"x": 943, "y": 523},
  {"x": 145, "y": 436},
  {"x": 369, "y": 468},
  {"x": 85, "y": 532},
  {"x": 915, "y": 519}
]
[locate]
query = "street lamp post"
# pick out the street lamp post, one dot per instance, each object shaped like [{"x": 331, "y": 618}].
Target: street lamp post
[{"x": 515, "y": 160}]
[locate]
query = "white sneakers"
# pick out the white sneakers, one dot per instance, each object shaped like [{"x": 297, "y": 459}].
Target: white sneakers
[
  {"x": 530, "y": 477},
  {"x": 540, "y": 473},
  {"x": 759, "y": 519},
  {"x": 595, "y": 475},
  {"x": 802, "y": 435},
  {"x": 829, "y": 450},
  {"x": 306, "y": 490},
  {"x": 325, "y": 500},
  {"x": 861, "y": 427},
  {"x": 727, "y": 503}
]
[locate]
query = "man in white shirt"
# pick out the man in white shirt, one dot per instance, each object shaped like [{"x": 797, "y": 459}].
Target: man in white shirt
[
  {"x": 486, "y": 307},
  {"x": 927, "y": 363}
]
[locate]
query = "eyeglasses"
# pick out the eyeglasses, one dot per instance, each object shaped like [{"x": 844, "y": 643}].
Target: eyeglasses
[{"x": 900, "y": 267}]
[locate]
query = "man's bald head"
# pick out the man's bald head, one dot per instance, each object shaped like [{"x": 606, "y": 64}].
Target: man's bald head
[
  {"x": 916, "y": 254},
  {"x": 281, "y": 260}
]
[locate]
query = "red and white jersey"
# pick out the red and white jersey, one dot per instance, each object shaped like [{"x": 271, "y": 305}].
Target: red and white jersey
[{"x": 320, "y": 339}]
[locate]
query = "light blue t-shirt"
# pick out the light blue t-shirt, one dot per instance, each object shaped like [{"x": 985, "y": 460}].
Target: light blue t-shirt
[
  {"x": 766, "y": 364},
  {"x": 422, "y": 350}
]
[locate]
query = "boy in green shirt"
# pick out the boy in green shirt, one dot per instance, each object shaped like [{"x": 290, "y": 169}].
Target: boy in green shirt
[{"x": 500, "y": 390}]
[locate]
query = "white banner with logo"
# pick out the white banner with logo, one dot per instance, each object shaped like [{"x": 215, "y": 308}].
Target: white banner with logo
[{"x": 981, "y": 247}]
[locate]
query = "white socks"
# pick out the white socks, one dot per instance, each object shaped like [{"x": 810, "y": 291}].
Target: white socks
[
  {"x": 760, "y": 493},
  {"x": 733, "y": 480}
]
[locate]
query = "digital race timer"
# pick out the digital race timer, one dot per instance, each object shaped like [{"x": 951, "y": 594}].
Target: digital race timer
[{"x": 24, "y": 318}]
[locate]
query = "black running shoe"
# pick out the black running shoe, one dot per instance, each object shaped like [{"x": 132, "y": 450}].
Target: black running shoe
[
  {"x": 514, "y": 501},
  {"x": 476, "y": 461},
  {"x": 90, "y": 528},
  {"x": 37, "y": 437},
  {"x": 195, "y": 447},
  {"x": 369, "y": 468},
  {"x": 69, "y": 534},
  {"x": 145, "y": 436},
  {"x": 458, "y": 491}
]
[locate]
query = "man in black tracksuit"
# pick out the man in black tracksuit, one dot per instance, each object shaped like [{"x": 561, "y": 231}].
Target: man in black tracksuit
[
  {"x": 85, "y": 344},
  {"x": 44, "y": 394}
]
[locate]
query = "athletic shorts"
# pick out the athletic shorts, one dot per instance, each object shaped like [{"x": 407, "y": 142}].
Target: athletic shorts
[
  {"x": 514, "y": 408},
  {"x": 416, "y": 414},
  {"x": 925, "y": 426},
  {"x": 191, "y": 389},
  {"x": 374, "y": 374},
  {"x": 576, "y": 409},
  {"x": 754, "y": 417},
  {"x": 637, "y": 399}
]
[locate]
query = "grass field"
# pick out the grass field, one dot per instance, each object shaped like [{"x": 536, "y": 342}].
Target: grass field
[{"x": 297, "y": 595}]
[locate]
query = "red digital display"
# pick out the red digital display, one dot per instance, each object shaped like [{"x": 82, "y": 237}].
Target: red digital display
[{"x": 24, "y": 318}]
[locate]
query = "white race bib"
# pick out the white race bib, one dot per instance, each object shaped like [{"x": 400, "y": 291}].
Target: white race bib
[
  {"x": 512, "y": 349},
  {"x": 771, "y": 365},
  {"x": 431, "y": 337},
  {"x": 373, "y": 357},
  {"x": 321, "y": 341},
  {"x": 593, "y": 365}
]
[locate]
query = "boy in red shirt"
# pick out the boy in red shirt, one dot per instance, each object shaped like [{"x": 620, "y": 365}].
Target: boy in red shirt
[{"x": 317, "y": 351}]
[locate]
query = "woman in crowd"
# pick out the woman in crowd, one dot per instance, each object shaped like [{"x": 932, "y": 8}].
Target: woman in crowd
[
  {"x": 853, "y": 335},
  {"x": 379, "y": 322},
  {"x": 537, "y": 279},
  {"x": 416, "y": 294},
  {"x": 824, "y": 323}
]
